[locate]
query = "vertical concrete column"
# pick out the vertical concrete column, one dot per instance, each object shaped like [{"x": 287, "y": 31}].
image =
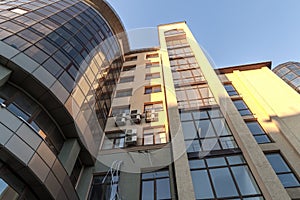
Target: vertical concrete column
[{"x": 68, "y": 155}]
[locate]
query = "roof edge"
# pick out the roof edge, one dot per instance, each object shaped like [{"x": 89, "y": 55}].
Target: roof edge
[{"x": 245, "y": 67}]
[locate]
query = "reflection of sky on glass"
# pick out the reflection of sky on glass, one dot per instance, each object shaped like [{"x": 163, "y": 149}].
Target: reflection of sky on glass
[{"x": 3, "y": 185}]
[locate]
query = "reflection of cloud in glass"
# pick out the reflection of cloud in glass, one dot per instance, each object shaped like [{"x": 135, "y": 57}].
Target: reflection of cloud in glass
[
  {"x": 143, "y": 38},
  {"x": 3, "y": 185}
]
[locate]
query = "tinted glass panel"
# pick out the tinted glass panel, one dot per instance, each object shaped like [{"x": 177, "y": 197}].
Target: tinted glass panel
[
  {"x": 278, "y": 163},
  {"x": 244, "y": 180},
  {"x": 223, "y": 183},
  {"x": 201, "y": 184}
]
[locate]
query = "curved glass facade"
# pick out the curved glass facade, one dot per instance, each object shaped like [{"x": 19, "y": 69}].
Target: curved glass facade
[
  {"x": 290, "y": 73},
  {"x": 29, "y": 111},
  {"x": 65, "y": 60},
  {"x": 70, "y": 40}
]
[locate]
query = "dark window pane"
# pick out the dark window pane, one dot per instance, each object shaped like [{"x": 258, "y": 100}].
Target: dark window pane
[
  {"x": 163, "y": 189},
  {"x": 255, "y": 128},
  {"x": 148, "y": 190},
  {"x": 53, "y": 67},
  {"x": 200, "y": 114},
  {"x": 67, "y": 81},
  {"x": 220, "y": 127},
  {"x": 202, "y": 186},
  {"x": 213, "y": 162},
  {"x": 240, "y": 104},
  {"x": 209, "y": 144},
  {"x": 277, "y": 162},
  {"x": 234, "y": 160},
  {"x": 228, "y": 142},
  {"x": 260, "y": 139},
  {"x": 245, "y": 112},
  {"x": 205, "y": 128},
  {"x": 194, "y": 164},
  {"x": 185, "y": 116},
  {"x": 192, "y": 146},
  {"x": 223, "y": 183},
  {"x": 288, "y": 180},
  {"x": 189, "y": 130},
  {"x": 245, "y": 180},
  {"x": 37, "y": 54}
]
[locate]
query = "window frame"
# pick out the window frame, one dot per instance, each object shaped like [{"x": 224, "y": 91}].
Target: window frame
[
  {"x": 123, "y": 93},
  {"x": 152, "y": 89}
]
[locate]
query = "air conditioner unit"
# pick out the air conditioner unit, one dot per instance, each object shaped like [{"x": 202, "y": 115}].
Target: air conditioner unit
[
  {"x": 135, "y": 116},
  {"x": 131, "y": 137},
  {"x": 120, "y": 119},
  {"x": 151, "y": 116}
]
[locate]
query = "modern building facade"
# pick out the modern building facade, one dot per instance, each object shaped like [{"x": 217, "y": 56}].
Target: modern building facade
[
  {"x": 83, "y": 117},
  {"x": 290, "y": 73},
  {"x": 59, "y": 65}
]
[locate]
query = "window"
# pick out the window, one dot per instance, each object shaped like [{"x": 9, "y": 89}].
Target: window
[
  {"x": 283, "y": 171},
  {"x": 113, "y": 140},
  {"x": 128, "y": 68},
  {"x": 152, "y": 76},
  {"x": 26, "y": 109},
  {"x": 157, "y": 106},
  {"x": 186, "y": 76},
  {"x": 124, "y": 93},
  {"x": 126, "y": 79},
  {"x": 242, "y": 107},
  {"x": 102, "y": 186},
  {"x": 152, "y": 64},
  {"x": 223, "y": 177},
  {"x": 76, "y": 172},
  {"x": 120, "y": 110},
  {"x": 174, "y": 32},
  {"x": 130, "y": 58},
  {"x": 155, "y": 55},
  {"x": 156, "y": 185},
  {"x": 154, "y": 136},
  {"x": 194, "y": 96},
  {"x": 152, "y": 89},
  {"x": 206, "y": 130},
  {"x": 230, "y": 90},
  {"x": 258, "y": 133}
]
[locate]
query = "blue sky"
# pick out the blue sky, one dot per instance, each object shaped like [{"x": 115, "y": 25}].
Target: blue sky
[{"x": 233, "y": 32}]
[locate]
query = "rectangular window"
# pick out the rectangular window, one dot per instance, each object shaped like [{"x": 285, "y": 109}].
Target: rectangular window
[
  {"x": 113, "y": 140},
  {"x": 126, "y": 79},
  {"x": 102, "y": 186},
  {"x": 120, "y": 110},
  {"x": 223, "y": 177},
  {"x": 155, "y": 55},
  {"x": 152, "y": 76},
  {"x": 230, "y": 90},
  {"x": 242, "y": 107},
  {"x": 155, "y": 185},
  {"x": 152, "y": 64},
  {"x": 128, "y": 68},
  {"x": 206, "y": 130},
  {"x": 283, "y": 171},
  {"x": 258, "y": 133},
  {"x": 124, "y": 93},
  {"x": 130, "y": 58},
  {"x": 152, "y": 89},
  {"x": 154, "y": 136},
  {"x": 157, "y": 106}
]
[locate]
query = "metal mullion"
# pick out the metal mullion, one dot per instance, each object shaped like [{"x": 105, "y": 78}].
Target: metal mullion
[
  {"x": 210, "y": 179},
  {"x": 233, "y": 178}
]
